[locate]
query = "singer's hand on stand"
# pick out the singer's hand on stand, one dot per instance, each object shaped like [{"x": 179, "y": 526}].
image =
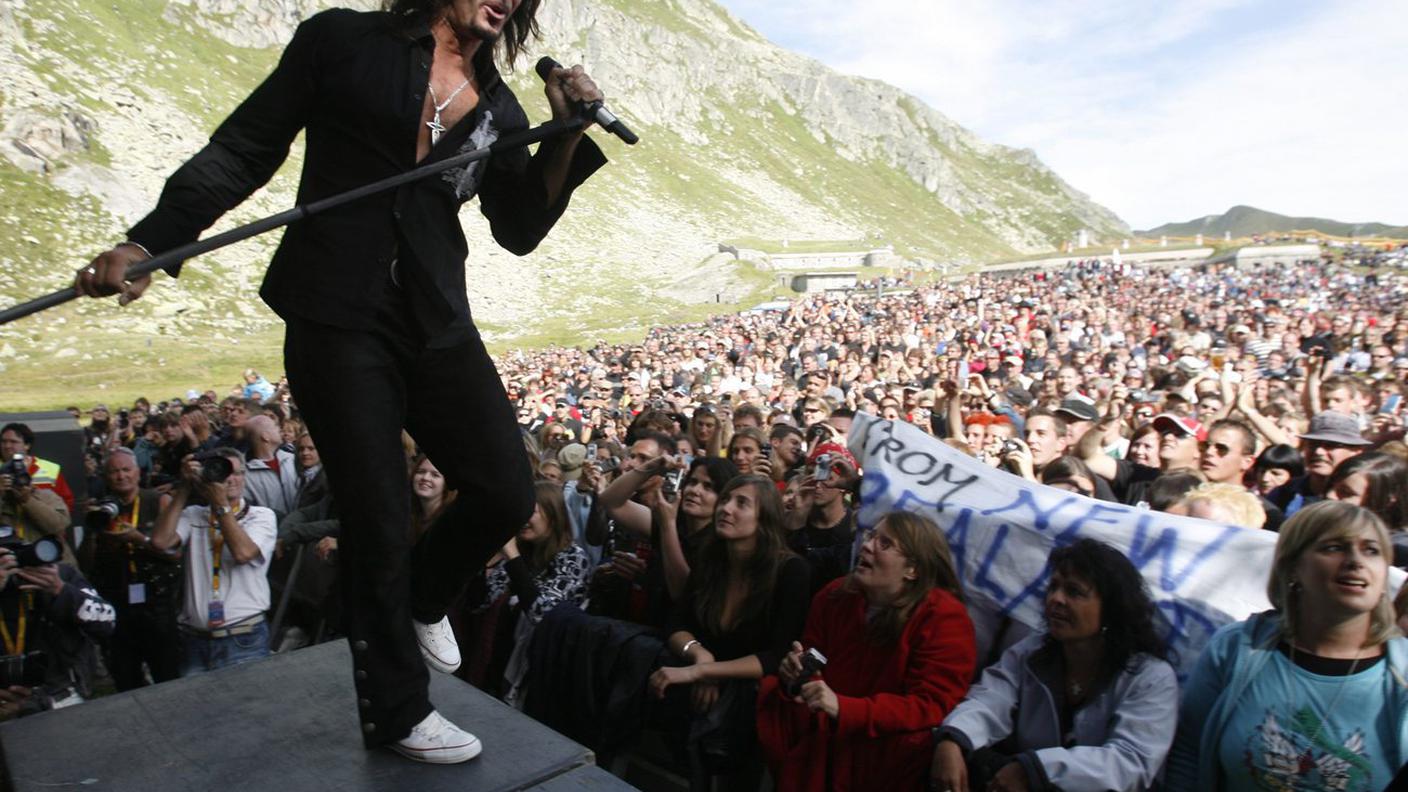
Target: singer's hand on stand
[{"x": 106, "y": 275}]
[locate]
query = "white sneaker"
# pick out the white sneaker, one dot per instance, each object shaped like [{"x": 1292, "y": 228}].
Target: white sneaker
[
  {"x": 437, "y": 741},
  {"x": 438, "y": 644}
]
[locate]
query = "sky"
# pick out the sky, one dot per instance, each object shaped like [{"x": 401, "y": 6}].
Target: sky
[{"x": 1163, "y": 111}]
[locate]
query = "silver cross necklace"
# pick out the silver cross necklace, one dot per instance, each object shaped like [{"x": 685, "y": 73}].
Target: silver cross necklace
[{"x": 436, "y": 128}]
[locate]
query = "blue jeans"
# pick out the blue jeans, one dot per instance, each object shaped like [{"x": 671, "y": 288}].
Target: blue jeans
[{"x": 207, "y": 654}]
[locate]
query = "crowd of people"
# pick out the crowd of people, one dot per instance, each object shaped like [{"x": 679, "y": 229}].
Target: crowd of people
[{"x": 694, "y": 568}]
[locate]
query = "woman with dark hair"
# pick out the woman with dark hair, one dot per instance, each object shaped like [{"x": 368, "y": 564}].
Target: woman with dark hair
[
  {"x": 542, "y": 568},
  {"x": 685, "y": 521},
  {"x": 900, "y": 652},
  {"x": 1089, "y": 705},
  {"x": 1375, "y": 481},
  {"x": 1275, "y": 466},
  {"x": 1070, "y": 474},
  {"x": 1378, "y": 482},
  {"x": 745, "y": 603},
  {"x": 429, "y": 496},
  {"x": 1312, "y": 694},
  {"x": 1144, "y": 446}
]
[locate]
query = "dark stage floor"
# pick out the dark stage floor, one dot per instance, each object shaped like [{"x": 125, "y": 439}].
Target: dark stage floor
[{"x": 287, "y": 724}]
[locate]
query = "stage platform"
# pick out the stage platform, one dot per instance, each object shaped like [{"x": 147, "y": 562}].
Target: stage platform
[{"x": 288, "y": 724}]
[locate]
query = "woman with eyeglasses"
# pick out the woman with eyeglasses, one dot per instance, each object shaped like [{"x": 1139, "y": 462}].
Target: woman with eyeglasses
[
  {"x": 1086, "y": 706},
  {"x": 1312, "y": 694},
  {"x": 900, "y": 652}
]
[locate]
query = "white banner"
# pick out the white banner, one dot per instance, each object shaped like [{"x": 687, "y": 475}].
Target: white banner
[{"x": 1001, "y": 528}]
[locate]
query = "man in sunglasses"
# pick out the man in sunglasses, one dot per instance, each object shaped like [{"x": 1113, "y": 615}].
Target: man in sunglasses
[{"x": 1230, "y": 451}]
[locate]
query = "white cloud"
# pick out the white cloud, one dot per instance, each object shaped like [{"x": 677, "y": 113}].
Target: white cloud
[{"x": 1161, "y": 111}]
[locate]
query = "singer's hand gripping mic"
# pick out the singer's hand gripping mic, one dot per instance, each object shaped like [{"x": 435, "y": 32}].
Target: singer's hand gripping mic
[{"x": 597, "y": 110}]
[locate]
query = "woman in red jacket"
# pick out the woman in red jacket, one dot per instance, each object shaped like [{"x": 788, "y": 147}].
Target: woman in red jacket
[{"x": 900, "y": 654}]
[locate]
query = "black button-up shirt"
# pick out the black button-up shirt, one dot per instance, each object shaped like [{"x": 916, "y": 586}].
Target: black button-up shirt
[{"x": 356, "y": 82}]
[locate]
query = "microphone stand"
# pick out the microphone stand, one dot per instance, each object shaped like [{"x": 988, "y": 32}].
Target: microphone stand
[{"x": 178, "y": 254}]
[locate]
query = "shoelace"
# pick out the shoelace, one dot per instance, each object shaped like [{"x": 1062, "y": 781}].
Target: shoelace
[{"x": 433, "y": 729}]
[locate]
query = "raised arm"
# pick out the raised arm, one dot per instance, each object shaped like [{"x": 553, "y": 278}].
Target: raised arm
[{"x": 1090, "y": 449}]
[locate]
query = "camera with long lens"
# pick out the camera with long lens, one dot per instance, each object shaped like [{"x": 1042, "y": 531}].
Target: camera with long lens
[
  {"x": 18, "y": 472},
  {"x": 44, "y": 550},
  {"x": 101, "y": 515},
  {"x": 214, "y": 467}
]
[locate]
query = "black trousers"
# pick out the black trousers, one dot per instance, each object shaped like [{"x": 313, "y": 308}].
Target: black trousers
[
  {"x": 356, "y": 390},
  {"x": 144, "y": 633}
]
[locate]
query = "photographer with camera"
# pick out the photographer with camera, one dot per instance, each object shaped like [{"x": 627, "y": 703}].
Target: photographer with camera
[
  {"x": 142, "y": 582},
  {"x": 826, "y": 539},
  {"x": 24, "y": 470},
  {"x": 49, "y": 620},
  {"x": 228, "y": 545}
]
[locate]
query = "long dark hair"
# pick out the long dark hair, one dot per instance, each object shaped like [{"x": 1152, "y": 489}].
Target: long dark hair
[
  {"x": 1387, "y": 485},
  {"x": 520, "y": 27},
  {"x": 712, "y": 572},
  {"x": 720, "y": 472},
  {"x": 1126, "y": 611}
]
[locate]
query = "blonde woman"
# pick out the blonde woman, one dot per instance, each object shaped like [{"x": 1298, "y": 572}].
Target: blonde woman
[
  {"x": 1229, "y": 504},
  {"x": 1312, "y": 694}
]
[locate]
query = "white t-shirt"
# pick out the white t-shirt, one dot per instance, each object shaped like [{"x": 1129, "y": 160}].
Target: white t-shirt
[{"x": 244, "y": 588}]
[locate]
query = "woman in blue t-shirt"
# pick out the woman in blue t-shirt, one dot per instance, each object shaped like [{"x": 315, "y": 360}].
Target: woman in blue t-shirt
[{"x": 1314, "y": 694}]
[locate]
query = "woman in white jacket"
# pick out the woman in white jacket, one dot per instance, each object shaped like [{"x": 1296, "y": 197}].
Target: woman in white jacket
[{"x": 1088, "y": 705}]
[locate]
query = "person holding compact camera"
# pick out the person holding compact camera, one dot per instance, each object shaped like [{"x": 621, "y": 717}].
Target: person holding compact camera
[
  {"x": 49, "y": 620},
  {"x": 228, "y": 545},
  {"x": 141, "y": 582},
  {"x": 898, "y": 651}
]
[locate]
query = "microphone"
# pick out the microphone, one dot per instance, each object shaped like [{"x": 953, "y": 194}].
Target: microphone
[{"x": 597, "y": 110}]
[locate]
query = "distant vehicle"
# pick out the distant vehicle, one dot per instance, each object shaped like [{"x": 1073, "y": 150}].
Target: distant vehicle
[{"x": 773, "y": 306}]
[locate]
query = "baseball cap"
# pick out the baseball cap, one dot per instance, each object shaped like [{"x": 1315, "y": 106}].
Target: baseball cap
[
  {"x": 835, "y": 450},
  {"x": 1190, "y": 427},
  {"x": 571, "y": 458},
  {"x": 1019, "y": 396},
  {"x": 1079, "y": 407}
]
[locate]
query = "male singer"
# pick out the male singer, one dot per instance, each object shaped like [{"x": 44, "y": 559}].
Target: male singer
[{"x": 379, "y": 335}]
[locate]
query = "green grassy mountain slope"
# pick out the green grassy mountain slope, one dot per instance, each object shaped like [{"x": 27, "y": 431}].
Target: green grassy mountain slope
[
  {"x": 740, "y": 140},
  {"x": 1245, "y": 221}
]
